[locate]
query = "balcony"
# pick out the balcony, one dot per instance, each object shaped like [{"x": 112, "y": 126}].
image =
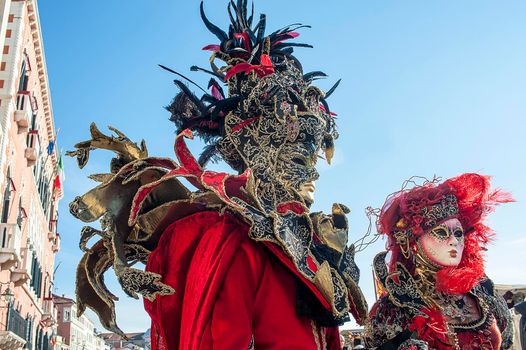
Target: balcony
[
  {"x": 52, "y": 233},
  {"x": 56, "y": 243},
  {"x": 23, "y": 110},
  {"x": 49, "y": 317},
  {"x": 19, "y": 277},
  {"x": 11, "y": 341},
  {"x": 10, "y": 244},
  {"x": 31, "y": 155},
  {"x": 13, "y": 337}
]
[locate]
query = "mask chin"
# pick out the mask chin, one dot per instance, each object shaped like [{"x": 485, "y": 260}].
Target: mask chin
[
  {"x": 438, "y": 255},
  {"x": 306, "y": 192}
]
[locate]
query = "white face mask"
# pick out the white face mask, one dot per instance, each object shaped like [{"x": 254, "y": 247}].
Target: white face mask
[
  {"x": 307, "y": 191},
  {"x": 444, "y": 243}
]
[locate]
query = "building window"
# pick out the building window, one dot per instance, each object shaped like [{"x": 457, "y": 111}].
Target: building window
[
  {"x": 36, "y": 276},
  {"x": 7, "y": 197},
  {"x": 29, "y": 332},
  {"x": 67, "y": 316},
  {"x": 20, "y": 217},
  {"x": 24, "y": 75},
  {"x": 32, "y": 135}
]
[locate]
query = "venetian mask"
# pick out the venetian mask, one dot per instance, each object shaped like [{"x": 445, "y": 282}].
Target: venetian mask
[
  {"x": 443, "y": 244},
  {"x": 279, "y": 133},
  {"x": 307, "y": 191}
]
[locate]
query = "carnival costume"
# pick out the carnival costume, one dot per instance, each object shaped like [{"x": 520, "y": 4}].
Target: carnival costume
[
  {"x": 432, "y": 298},
  {"x": 238, "y": 262}
]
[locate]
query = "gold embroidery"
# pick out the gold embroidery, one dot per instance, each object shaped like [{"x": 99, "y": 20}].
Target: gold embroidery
[{"x": 315, "y": 334}]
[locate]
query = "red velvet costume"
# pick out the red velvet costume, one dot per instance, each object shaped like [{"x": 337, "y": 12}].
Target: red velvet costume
[
  {"x": 426, "y": 305},
  {"x": 232, "y": 261},
  {"x": 235, "y": 291}
]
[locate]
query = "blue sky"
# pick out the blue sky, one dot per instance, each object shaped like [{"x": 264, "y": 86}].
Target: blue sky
[{"x": 429, "y": 87}]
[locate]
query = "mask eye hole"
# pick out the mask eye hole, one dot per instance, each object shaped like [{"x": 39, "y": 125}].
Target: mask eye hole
[
  {"x": 458, "y": 233},
  {"x": 440, "y": 233},
  {"x": 299, "y": 161}
]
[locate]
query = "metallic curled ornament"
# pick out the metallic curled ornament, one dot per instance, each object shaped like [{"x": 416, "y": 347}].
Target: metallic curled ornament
[{"x": 137, "y": 202}]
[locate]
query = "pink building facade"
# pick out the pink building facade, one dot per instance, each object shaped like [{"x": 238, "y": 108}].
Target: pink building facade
[
  {"x": 75, "y": 333},
  {"x": 28, "y": 197}
]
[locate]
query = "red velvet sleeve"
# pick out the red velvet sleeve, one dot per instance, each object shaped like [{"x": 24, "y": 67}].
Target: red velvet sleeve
[
  {"x": 231, "y": 324},
  {"x": 229, "y": 290},
  {"x": 258, "y": 299}
]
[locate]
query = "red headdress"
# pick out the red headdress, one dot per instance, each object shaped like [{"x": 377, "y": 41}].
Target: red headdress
[{"x": 407, "y": 214}]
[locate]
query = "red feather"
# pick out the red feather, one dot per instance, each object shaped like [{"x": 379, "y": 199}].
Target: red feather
[
  {"x": 212, "y": 47},
  {"x": 323, "y": 109},
  {"x": 265, "y": 68},
  {"x": 245, "y": 38},
  {"x": 432, "y": 328},
  {"x": 288, "y": 36},
  {"x": 216, "y": 92}
]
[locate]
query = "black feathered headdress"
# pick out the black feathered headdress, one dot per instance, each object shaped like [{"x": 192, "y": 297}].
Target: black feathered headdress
[{"x": 249, "y": 55}]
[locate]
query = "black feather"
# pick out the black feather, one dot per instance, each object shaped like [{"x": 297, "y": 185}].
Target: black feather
[
  {"x": 208, "y": 98},
  {"x": 182, "y": 110},
  {"x": 286, "y": 29},
  {"x": 232, "y": 20},
  {"x": 331, "y": 90},
  {"x": 182, "y": 76},
  {"x": 254, "y": 53},
  {"x": 196, "y": 69},
  {"x": 326, "y": 105},
  {"x": 213, "y": 82},
  {"x": 297, "y": 62},
  {"x": 262, "y": 26},
  {"x": 239, "y": 20},
  {"x": 190, "y": 95},
  {"x": 210, "y": 153},
  {"x": 251, "y": 35},
  {"x": 236, "y": 50},
  {"x": 283, "y": 52},
  {"x": 309, "y": 77},
  {"x": 285, "y": 44},
  {"x": 224, "y": 106},
  {"x": 241, "y": 10},
  {"x": 251, "y": 18},
  {"x": 221, "y": 35}
]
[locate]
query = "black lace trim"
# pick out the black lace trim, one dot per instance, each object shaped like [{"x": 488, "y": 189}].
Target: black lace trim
[
  {"x": 393, "y": 344},
  {"x": 308, "y": 306},
  {"x": 325, "y": 253}
]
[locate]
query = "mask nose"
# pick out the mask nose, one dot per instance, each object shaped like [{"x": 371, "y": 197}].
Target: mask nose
[{"x": 453, "y": 241}]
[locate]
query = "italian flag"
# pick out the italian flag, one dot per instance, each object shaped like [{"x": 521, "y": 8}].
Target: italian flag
[{"x": 59, "y": 179}]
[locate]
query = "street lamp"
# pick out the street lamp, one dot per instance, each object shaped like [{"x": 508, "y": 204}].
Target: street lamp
[{"x": 7, "y": 295}]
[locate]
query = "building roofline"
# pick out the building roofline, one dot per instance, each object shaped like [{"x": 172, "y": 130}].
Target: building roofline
[
  {"x": 38, "y": 42},
  {"x": 57, "y": 299}
]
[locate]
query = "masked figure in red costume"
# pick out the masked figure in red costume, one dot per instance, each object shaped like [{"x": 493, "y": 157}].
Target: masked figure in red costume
[
  {"x": 436, "y": 293},
  {"x": 237, "y": 261}
]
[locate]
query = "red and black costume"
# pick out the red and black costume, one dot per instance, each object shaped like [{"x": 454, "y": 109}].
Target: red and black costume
[
  {"x": 238, "y": 261},
  {"x": 413, "y": 312}
]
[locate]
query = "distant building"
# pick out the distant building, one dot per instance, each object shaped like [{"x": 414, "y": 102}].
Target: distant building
[
  {"x": 77, "y": 333},
  {"x": 353, "y": 338},
  {"x": 135, "y": 341},
  {"x": 147, "y": 340},
  {"x": 28, "y": 199}
]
